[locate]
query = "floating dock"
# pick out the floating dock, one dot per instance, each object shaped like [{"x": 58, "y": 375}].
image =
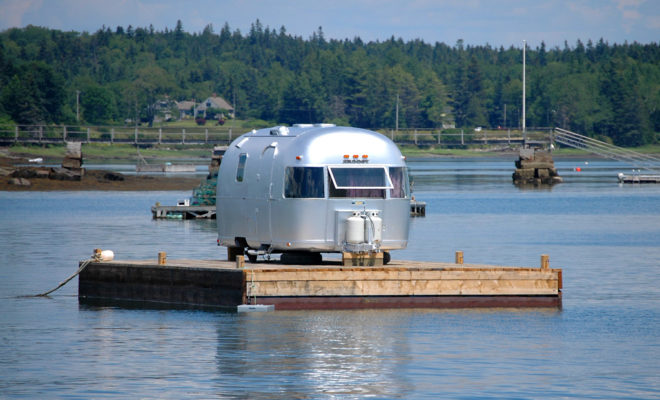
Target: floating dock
[
  {"x": 417, "y": 209},
  {"x": 639, "y": 178},
  {"x": 183, "y": 212},
  {"x": 331, "y": 285}
]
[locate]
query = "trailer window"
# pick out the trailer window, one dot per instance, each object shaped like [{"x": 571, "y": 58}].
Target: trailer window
[
  {"x": 401, "y": 187},
  {"x": 303, "y": 182},
  {"x": 358, "y": 182},
  {"x": 240, "y": 171}
]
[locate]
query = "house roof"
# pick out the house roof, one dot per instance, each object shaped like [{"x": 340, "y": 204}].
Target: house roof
[
  {"x": 185, "y": 105},
  {"x": 215, "y": 102}
]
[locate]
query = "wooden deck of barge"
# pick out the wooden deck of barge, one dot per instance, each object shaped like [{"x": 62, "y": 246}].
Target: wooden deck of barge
[{"x": 400, "y": 284}]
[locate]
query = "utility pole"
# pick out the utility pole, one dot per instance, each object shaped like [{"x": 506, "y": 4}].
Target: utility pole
[
  {"x": 397, "y": 112},
  {"x": 524, "y": 127},
  {"x": 504, "y": 116},
  {"x": 77, "y": 105}
]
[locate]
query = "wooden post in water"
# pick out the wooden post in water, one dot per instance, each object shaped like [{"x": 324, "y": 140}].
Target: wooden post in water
[
  {"x": 545, "y": 261},
  {"x": 459, "y": 257},
  {"x": 162, "y": 258}
]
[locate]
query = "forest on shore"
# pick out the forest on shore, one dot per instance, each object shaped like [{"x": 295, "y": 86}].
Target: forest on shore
[{"x": 607, "y": 91}]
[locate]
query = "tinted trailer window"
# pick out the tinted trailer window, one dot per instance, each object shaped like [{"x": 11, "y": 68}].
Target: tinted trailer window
[
  {"x": 370, "y": 182},
  {"x": 304, "y": 182}
]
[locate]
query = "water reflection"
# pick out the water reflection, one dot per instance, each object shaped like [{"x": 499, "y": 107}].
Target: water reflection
[{"x": 334, "y": 353}]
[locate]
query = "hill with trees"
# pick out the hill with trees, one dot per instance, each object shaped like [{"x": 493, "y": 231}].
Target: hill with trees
[{"x": 609, "y": 91}]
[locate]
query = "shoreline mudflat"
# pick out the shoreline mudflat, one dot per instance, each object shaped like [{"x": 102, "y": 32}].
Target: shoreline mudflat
[
  {"x": 14, "y": 178},
  {"x": 104, "y": 180}
]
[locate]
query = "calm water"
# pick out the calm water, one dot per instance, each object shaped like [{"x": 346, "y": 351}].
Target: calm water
[{"x": 604, "y": 343}]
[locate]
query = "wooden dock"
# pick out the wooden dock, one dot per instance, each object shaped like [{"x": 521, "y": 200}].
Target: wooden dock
[
  {"x": 639, "y": 178},
  {"x": 417, "y": 209},
  {"x": 183, "y": 212},
  {"x": 400, "y": 284}
]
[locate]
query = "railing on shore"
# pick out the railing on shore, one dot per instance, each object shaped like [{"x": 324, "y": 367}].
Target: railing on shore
[
  {"x": 106, "y": 134},
  {"x": 31, "y": 134}
]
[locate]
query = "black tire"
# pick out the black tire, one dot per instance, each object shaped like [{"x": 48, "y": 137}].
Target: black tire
[
  {"x": 252, "y": 258},
  {"x": 386, "y": 257}
]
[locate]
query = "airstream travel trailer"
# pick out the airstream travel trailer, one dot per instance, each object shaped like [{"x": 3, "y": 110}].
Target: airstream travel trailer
[{"x": 311, "y": 189}]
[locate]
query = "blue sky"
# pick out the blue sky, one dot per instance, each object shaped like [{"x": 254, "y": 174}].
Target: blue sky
[{"x": 477, "y": 22}]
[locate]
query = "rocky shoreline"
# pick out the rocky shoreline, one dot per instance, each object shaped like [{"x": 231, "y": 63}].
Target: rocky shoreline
[{"x": 37, "y": 178}]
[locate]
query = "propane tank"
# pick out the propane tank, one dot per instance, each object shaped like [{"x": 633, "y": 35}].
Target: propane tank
[
  {"x": 378, "y": 227},
  {"x": 355, "y": 229}
]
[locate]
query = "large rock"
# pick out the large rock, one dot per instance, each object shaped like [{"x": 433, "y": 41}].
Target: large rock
[
  {"x": 536, "y": 164},
  {"x": 6, "y": 171},
  {"x": 73, "y": 157},
  {"x": 19, "y": 182},
  {"x": 25, "y": 173},
  {"x": 71, "y": 163},
  {"x": 64, "y": 174},
  {"x": 535, "y": 167},
  {"x": 113, "y": 176},
  {"x": 73, "y": 150}
]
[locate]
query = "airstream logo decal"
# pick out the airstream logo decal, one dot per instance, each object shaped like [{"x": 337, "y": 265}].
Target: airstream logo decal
[{"x": 356, "y": 161}]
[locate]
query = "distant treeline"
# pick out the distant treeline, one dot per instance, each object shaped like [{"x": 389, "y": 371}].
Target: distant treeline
[{"x": 599, "y": 89}]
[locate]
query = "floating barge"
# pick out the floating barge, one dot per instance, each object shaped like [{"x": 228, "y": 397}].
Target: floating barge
[
  {"x": 331, "y": 285},
  {"x": 417, "y": 209}
]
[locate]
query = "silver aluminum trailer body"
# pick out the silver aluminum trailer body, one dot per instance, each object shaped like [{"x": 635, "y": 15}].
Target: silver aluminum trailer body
[{"x": 288, "y": 189}]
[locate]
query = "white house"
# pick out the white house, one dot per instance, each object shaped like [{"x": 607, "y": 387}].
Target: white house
[{"x": 214, "y": 102}]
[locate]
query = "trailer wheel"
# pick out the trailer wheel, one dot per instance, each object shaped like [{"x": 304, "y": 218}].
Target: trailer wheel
[
  {"x": 252, "y": 258},
  {"x": 386, "y": 257}
]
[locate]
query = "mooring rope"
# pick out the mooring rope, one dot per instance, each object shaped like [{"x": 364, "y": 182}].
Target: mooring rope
[{"x": 83, "y": 265}]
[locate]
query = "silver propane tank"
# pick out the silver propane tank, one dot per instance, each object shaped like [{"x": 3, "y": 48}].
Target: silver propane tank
[
  {"x": 355, "y": 229},
  {"x": 377, "y": 226}
]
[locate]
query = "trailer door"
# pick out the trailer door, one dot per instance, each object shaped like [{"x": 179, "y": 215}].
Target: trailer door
[{"x": 265, "y": 197}]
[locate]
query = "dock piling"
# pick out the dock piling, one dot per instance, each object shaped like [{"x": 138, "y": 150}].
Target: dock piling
[
  {"x": 545, "y": 261},
  {"x": 162, "y": 258},
  {"x": 240, "y": 262},
  {"x": 459, "y": 257}
]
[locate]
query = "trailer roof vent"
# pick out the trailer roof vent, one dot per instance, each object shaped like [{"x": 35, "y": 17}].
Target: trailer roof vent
[
  {"x": 324, "y": 125},
  {"x": 303, "y": 125},
  {"x": 279, "y": 131}
]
